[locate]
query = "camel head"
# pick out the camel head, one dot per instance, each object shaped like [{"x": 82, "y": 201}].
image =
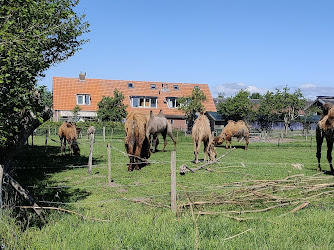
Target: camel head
[
  {"x": 76, "y": 149},
  {"x": 218, "y": 140},
  {"x": 212, "y": 151}
]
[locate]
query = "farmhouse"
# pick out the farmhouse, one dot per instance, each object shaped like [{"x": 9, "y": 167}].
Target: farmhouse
[{"x": 139, "y": 95}]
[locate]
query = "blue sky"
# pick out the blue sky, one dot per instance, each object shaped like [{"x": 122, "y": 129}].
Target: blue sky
[{"x": 257, "y": 45}]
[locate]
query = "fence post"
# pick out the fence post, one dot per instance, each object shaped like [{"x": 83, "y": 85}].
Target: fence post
[
  {"x": 46, "y": 140},
  {"x": 173, "y": 181},
  {"x": 90, "y": 160},
  {"x": 104, "y": 134},
  {"x": 109, "y": 164},
  {"x": 112, "y": 132},
  {"x": 279, "y": 136}
]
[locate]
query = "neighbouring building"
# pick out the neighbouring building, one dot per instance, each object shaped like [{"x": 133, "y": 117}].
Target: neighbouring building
[{"x": 142, "y": 96}]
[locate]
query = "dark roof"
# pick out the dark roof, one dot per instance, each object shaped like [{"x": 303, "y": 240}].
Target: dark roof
[
  {"x": 215, "y": 116},
  {"x": 320, "y": 101}
]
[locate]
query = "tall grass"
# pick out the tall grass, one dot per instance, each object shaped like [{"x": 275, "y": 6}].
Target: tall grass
[{"x": 135, "y": 206}]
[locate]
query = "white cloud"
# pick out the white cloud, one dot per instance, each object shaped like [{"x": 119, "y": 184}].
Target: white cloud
[
  {"x": 308, "y": 85},
  {"x": 231, "y": 89}
]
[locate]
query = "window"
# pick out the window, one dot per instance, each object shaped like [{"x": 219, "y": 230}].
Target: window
[
  {"x": 176, "y": 87},
  {"x": 171, "y": 121},
  {"x": 130, "y": 85},
  {"x": 143, "y": 102},
  {"x": 172, "y": 102},
  {"x": 83, "y": 99},
  {"x": 196, "y": 87},
  {"x": 153, "y": 86}
]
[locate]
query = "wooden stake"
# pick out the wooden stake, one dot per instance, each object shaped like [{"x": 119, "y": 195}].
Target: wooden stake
[
  {"x": 90, "y": 160},
  {"x": 173, "y": 181},
  {"x": 109, "y": 164},
  {"x": 104, "y": 134}
]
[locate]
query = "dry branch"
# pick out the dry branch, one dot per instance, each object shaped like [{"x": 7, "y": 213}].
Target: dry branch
[{"x": 184, "y": 168}]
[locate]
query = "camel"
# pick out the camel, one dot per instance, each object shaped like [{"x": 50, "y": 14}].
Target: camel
[
  {"x": 233, "y": 129},
  {"x": 137, "y": 144},
  {"x": 158, "y": 124},
  {"x": 325, "y": 129},
  {"x": 67, "y": 132},
  {"x": 201, "y": 132}
]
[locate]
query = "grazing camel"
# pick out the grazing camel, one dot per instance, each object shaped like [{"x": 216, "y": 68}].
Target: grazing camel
[
  {"x": 158, "y": 124},
  {"x": 67, "y": 132},
  {"x": 137, "y": 144},
  {"x": 201, "y": 132},
  {"x": 233, "y": 129},
  {"x": 325, "y": 129}
]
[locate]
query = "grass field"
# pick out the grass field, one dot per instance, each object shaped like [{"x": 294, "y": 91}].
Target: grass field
[{"x": 252, "y": 199}]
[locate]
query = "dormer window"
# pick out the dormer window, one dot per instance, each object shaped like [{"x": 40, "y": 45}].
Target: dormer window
[
  {"x": 196, "y": 87},
  {"x": 176, "y": 87},
  {"x": 153, "y": 86},
  {"x": 130, "y": 85},
  {"x": 83, "y": 99}
]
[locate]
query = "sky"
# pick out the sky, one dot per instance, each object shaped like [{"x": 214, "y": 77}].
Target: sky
[{"x": 255, "y": 45}]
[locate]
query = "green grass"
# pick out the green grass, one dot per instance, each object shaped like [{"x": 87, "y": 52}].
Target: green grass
[{"x": 64, "y": 182}]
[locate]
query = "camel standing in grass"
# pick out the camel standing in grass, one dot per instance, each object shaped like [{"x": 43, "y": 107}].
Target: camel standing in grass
[
  {"x": 325, "y": 129},
  {"x": 233, "y": 129},
  {"x": 137, "y": 144},
  {"x": 67, "y": 132},
  {"x": 201, "y": 132},
  {"x": 158, "y": 124}
]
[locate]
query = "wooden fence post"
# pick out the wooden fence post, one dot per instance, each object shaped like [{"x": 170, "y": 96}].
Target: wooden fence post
[
  {"x": 112, "y": 132},
  {"x": 173, "y": 181},
  {"x": 90, "y": 160},
  {"x": 104, "y": 134},
  {"x": 109, "y": 164},
  {"x": 46, "y": 140}
]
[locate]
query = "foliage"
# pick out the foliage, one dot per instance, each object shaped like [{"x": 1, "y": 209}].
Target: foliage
[
  {"x": 112, "y": 108},
  {"x": 75, "y": 112},
  {"x": 265, "y": 113},
  {"x": 289, "y": 105},
  {"x": 34, "y": 35},
  {"x": 238, "y": 107},
  {"x": 255, "y": 96},
  {"x": 192, "y": 104}
]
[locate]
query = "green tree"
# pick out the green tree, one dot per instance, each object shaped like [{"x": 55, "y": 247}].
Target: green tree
[
  {"x": 34, "y": 35},
  {"x": 75, "y": 112},
  {"x": 266, "y": 112},
  {"x": 255, "y": 96},
  {"x": 112, "y": 108},
  {"x": 191, "y": 105},
  {"x": 238, "y": 107},
  {"x": 289, "y": 105}
]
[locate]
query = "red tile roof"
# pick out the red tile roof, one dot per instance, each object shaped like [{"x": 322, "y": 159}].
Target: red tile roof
[{"x": 66, "y": 89}]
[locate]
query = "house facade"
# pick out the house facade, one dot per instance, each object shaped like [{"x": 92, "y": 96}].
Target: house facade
[{"x": 139, "y": 96}]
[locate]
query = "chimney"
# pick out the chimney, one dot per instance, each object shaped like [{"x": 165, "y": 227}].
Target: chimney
[{"x": 82, "y": 76}]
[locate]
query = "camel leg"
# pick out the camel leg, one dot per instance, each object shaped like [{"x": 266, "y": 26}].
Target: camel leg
[
  {"x": 247, "y": 142},
  {"x": 329, "y": 154},
  {"x": 196, "y": 151},
  {"x": 164, "y": 135},
  {"x": 138, "y": 161},
  {"x": 319, "y": 138},
  {"x": 205, "y": 149},
  {"x": 61, "y": 146},
  {"x": 155, "y": 143}
]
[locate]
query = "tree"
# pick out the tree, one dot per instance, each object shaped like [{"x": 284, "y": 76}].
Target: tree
[
  {"x": 192, "y": 104},
  {"x": 255, "y": 96},
  {"x": 75, "y": 112},
  {"x": 112, "y": 108},
  {"x": 266, "y": 112},
  {"x": 289, "y": 105},
  {"x": 238, "y": 107},
  {"x": 34, "y": 35}
]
